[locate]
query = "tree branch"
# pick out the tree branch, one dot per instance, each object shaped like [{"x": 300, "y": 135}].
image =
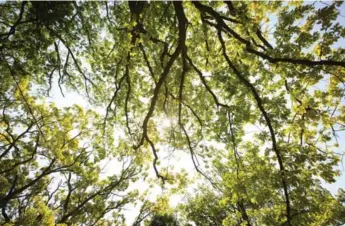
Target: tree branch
[
  {"x": 222, "y": 24},
  {"x": 268, "y": 122}
]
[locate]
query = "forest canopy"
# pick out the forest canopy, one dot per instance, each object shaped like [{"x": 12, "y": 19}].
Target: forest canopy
[{"x": 237, "y": 108}]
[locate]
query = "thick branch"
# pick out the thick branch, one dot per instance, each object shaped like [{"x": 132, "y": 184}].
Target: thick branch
[
  {"x": 220, "y": 22},
  {"x": 86, "y": 79},
  {"x": 15, "y": 140},
  {"x": 268, "y": 122},
  {"x": 182, "y": 21},
  {"x": 208, "y": 88},
  {"x": 13, "y": 27}
]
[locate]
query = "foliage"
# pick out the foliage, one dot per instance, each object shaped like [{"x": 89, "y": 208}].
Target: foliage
[
  {"x": 207, "y": 208},
  {"x": 163, "y": 220},
  {"x": 253, "y": 92}
]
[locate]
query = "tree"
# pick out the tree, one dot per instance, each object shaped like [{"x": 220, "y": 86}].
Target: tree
[
  {"x": 163, "y": 220},
  {"x": 216, "y": 70},
  {"x": 50, "y": 164},
  {"x": 206, "y": 208}
]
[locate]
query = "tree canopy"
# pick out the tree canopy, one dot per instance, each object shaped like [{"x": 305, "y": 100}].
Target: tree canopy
[{"x": 251, "y": 92}]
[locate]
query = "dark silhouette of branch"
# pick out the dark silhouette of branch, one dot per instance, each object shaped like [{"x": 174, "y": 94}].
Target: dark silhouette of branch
[
  {"x": 204, "y": 82},
  {"x": 12, "y": 143},
  {"x": 182, "y": 37},
  {"x": 44, "y": 173},
  {"x": 108, "y": 209},
  {"x": 113, "y": 99},
  {"x": 51, "y": 194},
  {"x": 125, "y": 175},
  {"x": 194, "y": 113},
  {"x": 70, "y": 190},
  {"x": 129, "y": 88},
  {"x": 86, "y": 79},
  {"x": 144, "y": 212},
  {"x": 12, "y": 73},
  {"x": 148, "y": 63},
  {"x": 180, "y": 99},
  {"x": 24, "y": 161},
  {"x": 263, "y": 40},
  {"x": 155, "y": 160},
  {"x": 59, "y": 68},
  {"x": 268, "y": 122},
  {"x": 231, "y": 7},
  {"x": 237, "y": 157},
  {"x": 222, "y": 25},
  {"x": 12, "y": 30},
  {"x": 182, "y": 26}
]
